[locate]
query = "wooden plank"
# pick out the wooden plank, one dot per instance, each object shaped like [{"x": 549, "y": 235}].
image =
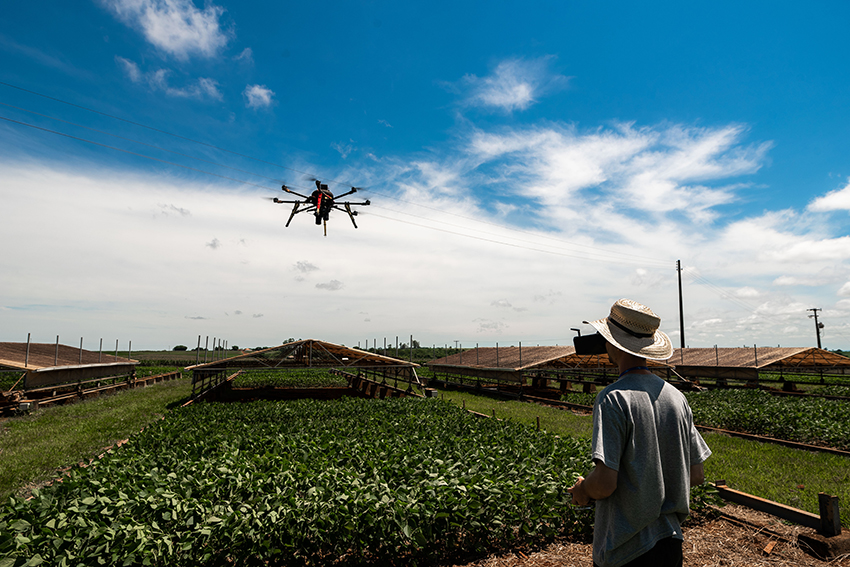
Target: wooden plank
[{"x": 794, "y": 515}]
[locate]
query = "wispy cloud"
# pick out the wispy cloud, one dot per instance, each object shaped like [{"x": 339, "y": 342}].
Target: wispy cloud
[
  {"x": 305, "y": 267},
  {"x": 258, "y": 96},
  {"x": 344, "y": 149},
  {"x": 245, "y": 56},
  {"x": 515, "y": 84},
  {"x": 653, "y": 170},
  {"x": 175, "y": 27},
  {"x": 202, "y": 88},
  {"x": 333, "y": 285},
  {"x": 171, "y": 209},
  {"x": 41, "y": 57}
]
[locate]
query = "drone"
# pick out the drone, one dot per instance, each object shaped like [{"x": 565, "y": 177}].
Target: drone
[{"x": 320, "y": 202}]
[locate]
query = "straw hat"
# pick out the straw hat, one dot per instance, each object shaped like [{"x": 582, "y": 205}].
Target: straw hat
[{"x": 633, "y": 328}]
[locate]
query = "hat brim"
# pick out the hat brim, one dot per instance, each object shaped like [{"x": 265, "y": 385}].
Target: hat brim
[{"x": 656, "y": 347}]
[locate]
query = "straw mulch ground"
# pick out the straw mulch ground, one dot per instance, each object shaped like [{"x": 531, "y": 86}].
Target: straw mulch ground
[{"x": 716, "y": 542}]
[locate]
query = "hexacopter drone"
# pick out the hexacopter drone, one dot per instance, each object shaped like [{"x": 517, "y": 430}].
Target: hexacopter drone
[{"x": 320, "y": 202}]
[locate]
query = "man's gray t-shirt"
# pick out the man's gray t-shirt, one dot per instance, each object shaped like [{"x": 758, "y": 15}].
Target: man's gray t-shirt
[{"x": 643, "y": 429}]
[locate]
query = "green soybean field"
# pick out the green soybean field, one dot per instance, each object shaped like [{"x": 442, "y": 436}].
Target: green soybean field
[{"x": 393, "y": 482}]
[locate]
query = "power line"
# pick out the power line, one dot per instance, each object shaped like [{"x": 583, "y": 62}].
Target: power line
[
  {"x": 137, "y": 154},
  {"x": 178, "y": 136},
  {"x": 138, "y": 142},
  {"x": 514, "y": 229},
  {"x": 131, "y": 152},
  {"x": 613, "y": 255},
  {"x": 139, "y": 124}
]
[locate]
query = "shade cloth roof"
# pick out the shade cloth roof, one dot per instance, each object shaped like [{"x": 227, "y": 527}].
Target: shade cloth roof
[
  {"x": 47, "y": 355},
  {"x": 513, "y": 358},
  {"x": 306, "y": 353}
]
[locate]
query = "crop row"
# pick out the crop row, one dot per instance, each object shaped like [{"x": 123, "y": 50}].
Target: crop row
[
  {"x": 816, "y": 421},
  {"x": 303, "y": 483},
  {"x": 812, "y": 420},
  {"x": 290, "y": 378}
]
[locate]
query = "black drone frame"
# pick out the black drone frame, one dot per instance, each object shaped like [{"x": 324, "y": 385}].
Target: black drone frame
[{"x": 312, "y": 207}]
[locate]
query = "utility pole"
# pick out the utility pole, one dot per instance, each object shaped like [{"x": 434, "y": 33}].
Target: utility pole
[
  {"x": 818, "y": 326},
  {"x": 681, "y": 310}
]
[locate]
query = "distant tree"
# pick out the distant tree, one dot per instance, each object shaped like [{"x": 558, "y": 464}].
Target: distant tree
[
  {"x": 180, "y": 347},
  {"x": 234, "y": 347}
]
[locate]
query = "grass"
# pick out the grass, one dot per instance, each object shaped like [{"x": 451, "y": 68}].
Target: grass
[
  {"x": 766, "y": 470},
  {"x": 562, "y": 422},
  {"x": 777, "y": 473},
  {"x": 33, "y": 447}
]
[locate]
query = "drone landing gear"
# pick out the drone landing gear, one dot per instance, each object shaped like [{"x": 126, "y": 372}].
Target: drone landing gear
[
  {"x": 294, "y": 210},
  {"x": 351, "y": 214}
]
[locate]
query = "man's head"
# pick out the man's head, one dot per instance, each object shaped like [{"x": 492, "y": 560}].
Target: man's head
[{"x": 633, "y": 328}]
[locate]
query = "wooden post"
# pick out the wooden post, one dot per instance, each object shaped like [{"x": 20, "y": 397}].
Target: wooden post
[
  {"x": 81, "y": 350},
  {"x": 830, "y": 520},
  {"x": 100, "y": 351},
  {"x": 56, "y": 354},
  {"x": 27, "y": 357}
]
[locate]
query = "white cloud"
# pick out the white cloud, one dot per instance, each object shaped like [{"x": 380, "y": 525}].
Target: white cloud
[
  {"x": 130, "y": 68},
  {"x": 258, "y": 96},
  {"x": 246, "y": 56},
  {"x": 515, "y": 84},
  {"x": 747, "y": 293},
  {"x": 158, "y": 80},
  {"x": 343, "y": 149},
  {"x": 176, "y": 27},
  {"x": 838, "y": 200},
  {"x": 333, "y": 285},
  {"x": 645, "y": 171},
  {"x": 305, "y": 267},
  {"x": 587, "y": 237}
]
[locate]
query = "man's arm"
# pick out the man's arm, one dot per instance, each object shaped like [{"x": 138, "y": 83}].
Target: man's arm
[
  {"x": 697, "y": 475},
  {"x": 599, "y": 484}
]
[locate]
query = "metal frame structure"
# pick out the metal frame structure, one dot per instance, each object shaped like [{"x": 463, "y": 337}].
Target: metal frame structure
[
  {"x": 306, "y": 353},
  {"x": 513, "y": 365},
  {"x": 48, "y": 364}
]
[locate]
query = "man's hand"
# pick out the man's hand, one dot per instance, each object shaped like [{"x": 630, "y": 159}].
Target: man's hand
[
  {"x": 599, "y": 484},
  {"x": 580, "y": 496}
]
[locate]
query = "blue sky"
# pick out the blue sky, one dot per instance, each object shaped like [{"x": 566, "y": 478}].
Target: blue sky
[{"x": 527, "y": 164}]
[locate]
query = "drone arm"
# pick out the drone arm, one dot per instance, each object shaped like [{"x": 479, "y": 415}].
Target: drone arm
[
  {"x": 353, "y": 190},
  {"x": 288, "y": 190}
]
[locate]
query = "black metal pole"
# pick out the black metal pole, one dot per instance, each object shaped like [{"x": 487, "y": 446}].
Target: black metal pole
[
  {"x": 681, "y": 310},
  {"x": 817, "y": 327}
]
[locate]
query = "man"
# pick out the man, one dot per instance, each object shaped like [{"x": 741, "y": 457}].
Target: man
[{"x": 646, "y": 451}]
